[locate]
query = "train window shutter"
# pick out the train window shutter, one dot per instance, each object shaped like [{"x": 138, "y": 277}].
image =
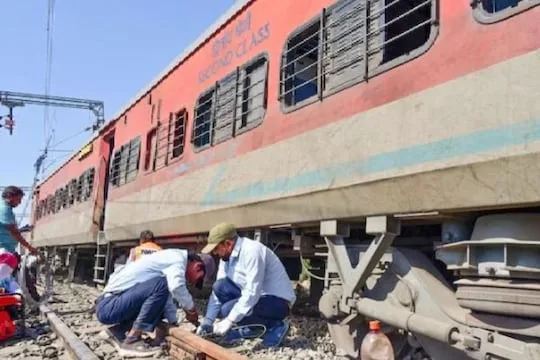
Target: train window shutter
[
  {"x": 178, "y": 129},
  {"x": 251, "y": 95},
  {"x": 115, "y": 168},
  {"x": 203, "y": 120},
  {"x": 90, "y": 174},
  {"x": 132, "y": 153},
  {"x": 225, "y": 105},
  {"x": 492, "y": 11},
  {"x": 352, "y": 41}
]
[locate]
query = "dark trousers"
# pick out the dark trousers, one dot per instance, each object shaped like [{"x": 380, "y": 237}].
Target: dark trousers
[
  {"x": 139, "y": 307},
  {"x": 269, "y": 311}
]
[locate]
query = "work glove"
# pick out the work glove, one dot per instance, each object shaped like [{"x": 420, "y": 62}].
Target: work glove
[
  {"x": 192, "y": 316},
  {"x": 205, "y": 329},
  {"x": 222, "y": 327}
]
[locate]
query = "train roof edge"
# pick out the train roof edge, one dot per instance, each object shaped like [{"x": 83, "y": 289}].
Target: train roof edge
[{"x": 238, "y": 6}]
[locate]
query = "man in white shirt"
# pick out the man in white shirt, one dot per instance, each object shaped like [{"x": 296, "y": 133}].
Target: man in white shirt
[
  {"x": 251, "y": 288},
  {"x": 135, "y": 296}
]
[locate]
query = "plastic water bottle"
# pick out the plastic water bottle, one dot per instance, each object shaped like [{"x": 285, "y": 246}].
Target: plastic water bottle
[{"x": 376, "y": 345}]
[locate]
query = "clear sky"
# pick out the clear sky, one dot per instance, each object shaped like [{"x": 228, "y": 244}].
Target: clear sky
[{"x": 102, "y": 49}]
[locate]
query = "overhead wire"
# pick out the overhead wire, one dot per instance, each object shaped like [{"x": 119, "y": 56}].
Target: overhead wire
[{"x": 48, "y": 128}]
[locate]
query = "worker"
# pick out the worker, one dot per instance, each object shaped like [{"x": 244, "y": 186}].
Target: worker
[
  {"x": 252, "y": 289},
  {"x": 9, "y": 233},
  {"x": 135, "y": 296},
  {"x": 147, "y": 245}
]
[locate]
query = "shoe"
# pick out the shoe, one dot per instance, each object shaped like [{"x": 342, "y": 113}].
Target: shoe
[
  {"x": 117, "y": 333},
  {"x": 275, "y": 335},
  {"x": 242, "y": 333},
  {"x": 138, "y": 349}
]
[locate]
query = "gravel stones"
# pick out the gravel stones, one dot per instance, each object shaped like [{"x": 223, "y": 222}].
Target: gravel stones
[{"x": 308, "y": 338}]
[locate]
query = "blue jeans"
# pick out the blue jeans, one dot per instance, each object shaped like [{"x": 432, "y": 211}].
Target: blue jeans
[
  {"x": 139, "y": 307},
  {"x": 269, "y": 311}
]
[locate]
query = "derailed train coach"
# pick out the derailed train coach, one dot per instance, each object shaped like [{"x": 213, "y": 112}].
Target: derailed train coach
[{"x": 394, "y": 143}]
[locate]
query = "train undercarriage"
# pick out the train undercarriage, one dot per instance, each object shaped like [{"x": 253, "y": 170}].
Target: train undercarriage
[{"x": 445, "y": 286}]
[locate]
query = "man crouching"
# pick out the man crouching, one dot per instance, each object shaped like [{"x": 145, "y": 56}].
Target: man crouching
[{"x": 135, "y": 297}]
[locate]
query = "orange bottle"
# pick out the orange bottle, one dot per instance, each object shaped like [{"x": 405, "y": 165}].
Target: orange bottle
[{"x": 376, "y": 345}]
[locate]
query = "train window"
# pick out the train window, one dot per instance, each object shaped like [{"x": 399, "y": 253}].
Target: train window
[
  {"x": 299, "y": 71},
  {"x": 49, "y": 201},
  {"x": 225, "y": 103},
  {"x": 90, "y": 173},
  {"x": 115, "y": 168},
  {"x": 179, "y": 133},
  {"x": 491, "y": 11},
  {"x": 125, "y": 164},
  {"x": 236, "y": 103},
  {"x": 251, "y": 105},
  {"x": 77, "y": 191},
  {"x": 71, "y": 193},
  {"x": 350, "y": 42},
  {"x": 171, "y": 139},
  {"x": 133, "y": 156},
  {"x": 203, "y": 120},
  {"x": 64, "y": 197}
]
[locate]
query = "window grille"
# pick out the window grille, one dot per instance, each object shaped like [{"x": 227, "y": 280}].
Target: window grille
[
  {"x": 125, "y": 163},
  {"x": 235, "y": 104},
  {"x": 491, "y": 11},
  {"x": 72, "y": 190},
  {"x": 170, "y": 139},
  {"x": 352, "y": 41}
]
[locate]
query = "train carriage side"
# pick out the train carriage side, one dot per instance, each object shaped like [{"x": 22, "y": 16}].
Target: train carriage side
[
  {"x": 334, "y": 109},
  {"x": 65, "y": 212}
]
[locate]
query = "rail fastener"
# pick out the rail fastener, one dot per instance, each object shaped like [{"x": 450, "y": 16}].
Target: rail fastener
[
  {"x": 75, "y": 346},
  {"x": 183, "y": 345}
]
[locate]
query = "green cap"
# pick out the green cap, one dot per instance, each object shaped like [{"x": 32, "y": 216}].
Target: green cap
[{"x": 219, "y": 233}]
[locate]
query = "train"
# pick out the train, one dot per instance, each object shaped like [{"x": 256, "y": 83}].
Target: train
[{"x": 391, "y": 144}]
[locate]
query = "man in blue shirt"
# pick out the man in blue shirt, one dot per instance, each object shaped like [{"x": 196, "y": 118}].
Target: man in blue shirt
[
  {"x": 9, "y": 233},
  {"x": 252, "y": 289},
  {"x": 136, "y": 295}
]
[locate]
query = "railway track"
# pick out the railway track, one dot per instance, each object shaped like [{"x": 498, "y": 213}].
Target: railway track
[{"x": 73, "y": 332}]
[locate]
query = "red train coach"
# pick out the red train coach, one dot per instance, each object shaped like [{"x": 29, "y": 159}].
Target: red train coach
[{"x": 295, "y": 112}]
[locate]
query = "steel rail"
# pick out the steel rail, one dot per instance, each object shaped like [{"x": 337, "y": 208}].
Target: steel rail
[
  {"x": 74, "y": 346},
  {"x": 183, "y": 345}
]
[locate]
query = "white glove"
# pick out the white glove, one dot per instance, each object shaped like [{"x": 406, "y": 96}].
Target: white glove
[
  {"x": 205, "y": 328},
  {"x": 222, "y": 327}
]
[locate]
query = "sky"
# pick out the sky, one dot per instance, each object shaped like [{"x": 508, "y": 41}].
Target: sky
[{"x": 101, "y": 49}]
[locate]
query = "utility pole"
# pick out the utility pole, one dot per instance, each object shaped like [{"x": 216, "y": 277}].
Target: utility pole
[{"x": 12, "y": 100}]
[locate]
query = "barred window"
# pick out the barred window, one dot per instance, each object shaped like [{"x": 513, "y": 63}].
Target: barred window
[
  {"x": 203, "y": 120},
  {"x": 87, "y": 184},
  {"x": 170, "y": 139},
  {"x": 491, "y": 11},
  {"x": 125, "y": 163},
  {"x": 350, "y": 42},
  {"x": 235, "y": 104},
  {"x": 179, "y": 133},
  {"x": 71, "y": 191}
]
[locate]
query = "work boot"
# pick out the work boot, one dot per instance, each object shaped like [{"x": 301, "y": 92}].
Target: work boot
[{"x": 136, "y": 347}]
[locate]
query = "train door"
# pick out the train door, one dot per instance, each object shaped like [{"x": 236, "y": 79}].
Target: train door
[{"x": 109, "y": 140}]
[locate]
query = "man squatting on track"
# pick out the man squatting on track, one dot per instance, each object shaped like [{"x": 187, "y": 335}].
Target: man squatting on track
[
  {"x": 252, "y": 290},
  {"x": 135, "y": 296}
]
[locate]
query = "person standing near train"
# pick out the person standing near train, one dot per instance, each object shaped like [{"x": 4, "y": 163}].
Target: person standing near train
[
  {"x": 9, "y": 233},
  {"x": 252, "y": 290}
]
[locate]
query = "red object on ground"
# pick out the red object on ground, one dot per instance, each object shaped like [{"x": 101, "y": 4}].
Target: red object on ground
[{"x": 7, "y": 327}]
